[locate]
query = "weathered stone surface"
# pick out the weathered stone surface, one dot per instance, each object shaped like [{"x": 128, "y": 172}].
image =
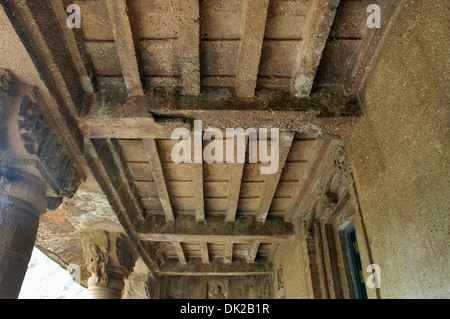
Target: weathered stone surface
[
  {"x": 146, "y": 78},
  {"x": 65, "y": 247},
  {"x": 89, "y": 210},
  {"x": 400, "y": 154}
]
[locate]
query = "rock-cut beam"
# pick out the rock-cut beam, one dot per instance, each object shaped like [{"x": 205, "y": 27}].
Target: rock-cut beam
[
  {"x": 215, "y": 230},
  {"x": 126, "y": 52},
  {"x": 272, "y": 180},
  {"x": 159, "y": 177},
  {"x": 254, "y": 24},
  {"x": 190, "y": 46},
  {"x": 216, "y": 268},
  {"x": 315, "y": 35}
]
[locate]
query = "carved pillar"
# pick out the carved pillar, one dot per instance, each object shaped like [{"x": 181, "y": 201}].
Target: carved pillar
[
  {"x": 22, "y": 201},
  {"x": 35, "y": 174},
  {"x": 110, "y": 260},
  {"x": 108, "y": 290}
]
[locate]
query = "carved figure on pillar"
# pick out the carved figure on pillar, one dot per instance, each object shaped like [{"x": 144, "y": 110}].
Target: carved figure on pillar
[
  {"x": 110, "y": 260},
  {"x": 97, "y": 266}
]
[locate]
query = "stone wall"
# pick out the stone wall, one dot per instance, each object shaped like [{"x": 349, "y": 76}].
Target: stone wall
[
  {"x": 292, "y": 276},
  {"x": 400, "y": 153},
  {"x": 239, "y": 287}
]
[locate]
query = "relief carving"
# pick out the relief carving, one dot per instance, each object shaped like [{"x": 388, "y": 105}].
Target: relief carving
[
  {"x": 97, "y": 266},
  {"x": 96, "y": 247},
  {"x": 125, "y": 255},
  {"x": 280, "y": 284},
  {"x": 218, "y": 289},
  {"x": 39, "y": 140}
]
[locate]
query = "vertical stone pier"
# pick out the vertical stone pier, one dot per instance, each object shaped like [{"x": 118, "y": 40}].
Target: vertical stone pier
[
  {"x": 36, "y": 173},
  {"x": 22, "y": 201}
]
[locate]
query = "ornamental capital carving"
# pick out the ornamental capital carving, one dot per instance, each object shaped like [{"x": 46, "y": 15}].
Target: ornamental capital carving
[
  {"x": 125, "y": 255},
  {"x": 98, "y": 261},
  {"x": 96, "y": 246},
  {"x": 331, "y": 188},
  {"x": 40, "y": 140},
  {"x": 27, "y": 140},
  {"x": 109, "y": 258}
]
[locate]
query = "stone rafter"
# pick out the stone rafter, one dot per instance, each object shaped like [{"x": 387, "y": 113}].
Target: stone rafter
[
  {"x": 318, "y": 25},
  {"x": 215, "y": 268},
  {"x": 243, "y": 230}
]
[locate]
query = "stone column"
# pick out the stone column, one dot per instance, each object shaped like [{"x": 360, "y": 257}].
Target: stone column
[
  {"x": 36, "y": 173},
  {"x": 112, "y": 289},
  {"x": 22, "y": 201}
]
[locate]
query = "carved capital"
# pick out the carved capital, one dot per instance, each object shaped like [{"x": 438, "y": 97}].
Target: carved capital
[
  {"x": 125, "y": 255},
  {"x": 110, "y": 259},
  {"x": 96, "y": 248},
  {"x": 329, "y": 195},
  {"x": 40, "y": 140},
  {"x": 29, "y": 143},
  {"x": 97, "y": 266}
]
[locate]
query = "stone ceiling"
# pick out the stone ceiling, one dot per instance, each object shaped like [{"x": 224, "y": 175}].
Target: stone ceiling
[{"x": 136, "y": 70}]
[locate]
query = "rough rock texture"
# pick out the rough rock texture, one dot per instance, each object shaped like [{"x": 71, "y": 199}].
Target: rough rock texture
[
  {"x": 65, "y": 248},
  {"x": 191, "y": 287},
  {"x": 91, "y": 210},
  {"x": 292, "y": 279},
  {"x": 400, "y": 153},
  {"x": 137, "y": 284}
]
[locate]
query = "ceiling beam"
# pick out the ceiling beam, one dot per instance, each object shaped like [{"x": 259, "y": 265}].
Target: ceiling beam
[
  {"x": 252, "y": 252},
  {"x": 234, "y": 188},
  {"x": 121, "y": 169},
  {"x": 228, "y": 253},
  {"x": 234, "y": 181},
  {"x": 114, "y": 127},
  {"x": 126, "y": 51},
  {"x": 328, "y": 102},
  {"x": 197, "y": 185},
  {"x": 129, "y": 127},
  {"x": 271, "y": 180},
  {"x": 180, "y": 252},
  {"x": 99, "y": 160},
  {"x": 159, "y": 178},
  {"x": 317, "y": 161},
  {"x": 255, "y": 17},
  {"x": 190, "y": 46},
  {"x": 214, "y": 230},
  {"x": 204, "y": 252},
  {"x": 72, "y": 46},
  {"x": 318, "y": 25},
  {"x": 171, "y": 267}
]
